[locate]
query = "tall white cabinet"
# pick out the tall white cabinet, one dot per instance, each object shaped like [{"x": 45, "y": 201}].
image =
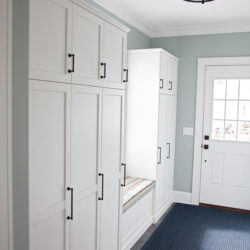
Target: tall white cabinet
[
  {"x": 78, "y": 75},
  {"x": 151, "y": 120}
]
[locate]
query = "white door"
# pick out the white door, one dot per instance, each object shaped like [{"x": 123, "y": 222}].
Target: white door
[
  {"x": 170, "y": 146},
  {"x": 50, "y": 40},
  {"x": 113, "y": 68},
  {"x": 164, "y": 87},
  {"x": 225, "y": 179},
  {"x": 49, "y": 165},
  {"x": 172, "y": 76},
  {"x": 87, "y": 42},
  {"x": 161, "y": 157},
  {"x": 85, "y": 163},
  {"x": 112, "y": 148}
]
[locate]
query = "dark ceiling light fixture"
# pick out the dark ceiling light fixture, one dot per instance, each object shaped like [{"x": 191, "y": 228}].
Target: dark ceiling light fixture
[{"x": 199, "y": 1}]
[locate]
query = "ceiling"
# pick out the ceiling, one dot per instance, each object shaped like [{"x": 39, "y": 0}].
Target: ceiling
[{"x": 161, "y": 18}]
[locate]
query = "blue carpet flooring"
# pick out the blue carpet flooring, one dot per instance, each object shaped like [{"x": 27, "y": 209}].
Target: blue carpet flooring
[{"x": 189, "y": 227}]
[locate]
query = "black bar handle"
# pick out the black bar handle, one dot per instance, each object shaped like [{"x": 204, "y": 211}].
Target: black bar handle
[
  {"x": 169, "y": 150},
  {"x": 73, "y": 63},
  {"x": 72, "y": 203},
  {"x": 124, "y": 175},
  {"x": 105, "y": 69},
  {"x": 126, "y": 70},
  {"x": 102, "y": 198},
  {"x": 171, "y": 84},
  {"x": 162, "y": 83},
  {"x": 159, "y": 161}
]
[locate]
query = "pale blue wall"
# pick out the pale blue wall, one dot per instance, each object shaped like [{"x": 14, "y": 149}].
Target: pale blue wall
[{"x": 188, "y": 49}]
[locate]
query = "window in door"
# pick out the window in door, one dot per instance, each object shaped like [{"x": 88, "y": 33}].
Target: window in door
[{"x": 231, "y": 110}]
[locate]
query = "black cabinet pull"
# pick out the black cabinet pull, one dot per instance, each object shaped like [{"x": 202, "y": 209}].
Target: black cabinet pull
[
  {"x": 171, "y": 84},
  {"x": 206, "y": 146},
  {"x": 169, "y": 150},
  {"x": 162, "y": 83},
  {"x": 102, "y": 175},
  {"x": 105, "y": 68},
  {"x": 159, "y": 161},
  {"x": 73, "y": 63},
  {"x": 124, "y": 175},
  {"x": 72, "y": 203},
  {"x": 126, "y": 70},
  {"x": 206, "y": 137}
]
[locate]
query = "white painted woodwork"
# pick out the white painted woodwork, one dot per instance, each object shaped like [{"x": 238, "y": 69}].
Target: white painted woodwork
[
  {"x": 225, "y": 174},
  {"x": 85, "y": 164},
  {"x": 136, "y": 220},
  {"x": 112, "y": 147},
  {"x": 143, "y": 110},
  {"x": 87, "y": 47},
  {"x": 5, "y": 128},
  {"x": 150, "y": 122},
  {"x": 49, "y": 165},
  {"x": 114, "y": 55},
  {"x": 50, "y": 40},
  {"x": 172, "y": 76},
  {"x": 162, "y": 152}
]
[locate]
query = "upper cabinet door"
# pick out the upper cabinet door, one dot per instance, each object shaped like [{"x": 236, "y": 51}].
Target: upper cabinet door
[
  {"x": 50, "y": 40},
  {"x": 172, "y": 76},
  {"x": 87, "y": 42},
  {"x": 113, "y": 69},
  {"x": 164, "y": 86}
]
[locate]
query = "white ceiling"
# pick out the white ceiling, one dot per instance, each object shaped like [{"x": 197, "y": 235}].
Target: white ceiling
[{"x": 158, "y": 18}]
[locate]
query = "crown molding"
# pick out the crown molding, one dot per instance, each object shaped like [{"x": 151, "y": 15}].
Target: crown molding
[
  {"x": 203, "y": 30},
  {"x": 126, "y": 15},
  {"x": 131, "y": 18}
]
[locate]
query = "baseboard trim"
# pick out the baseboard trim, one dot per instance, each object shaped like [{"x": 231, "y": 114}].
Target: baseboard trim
[
  {"x": 136, "y": 233},
  {"x": 160, "y": 211},
  {"x": 182, "y": 197}
]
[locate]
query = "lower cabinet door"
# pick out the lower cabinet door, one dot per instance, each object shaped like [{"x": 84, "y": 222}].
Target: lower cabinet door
[
  {"x": 49, "y": 166},
  {"x": 112, "y": 148},
  {"x": 85, "y": 159}
]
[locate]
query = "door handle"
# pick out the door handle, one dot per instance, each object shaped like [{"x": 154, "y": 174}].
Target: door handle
[
  {"x": 169, "y": 150},
  {"x": 102, "y": 198},
  {"x": 126, "y": 70},
  {"x": 162, "y": 83},
  {"x": 206, "y": 146},
  {"x": 171, "y": 85},
  {"x": 73, "y": 63},
  {"x": 105, "y": 69},
  {"x": 124, "y": 174},
  {"x": 159, "y": 161},
  {"x": 72, "y": 203}
]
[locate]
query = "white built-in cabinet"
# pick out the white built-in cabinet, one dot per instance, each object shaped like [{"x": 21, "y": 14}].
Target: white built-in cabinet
[
  {"x": 77, "y": 85},
  {"x": 151, "y": 121},
  {"x": 74, "y": 45}
]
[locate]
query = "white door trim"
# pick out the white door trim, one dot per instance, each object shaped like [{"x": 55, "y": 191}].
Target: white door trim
[
  {"x": 6, "y": 46},
  {"x": 200, "y": 94}
]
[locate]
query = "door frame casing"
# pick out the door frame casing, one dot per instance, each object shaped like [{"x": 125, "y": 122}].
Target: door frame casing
[{"x": 203, "y": 63}]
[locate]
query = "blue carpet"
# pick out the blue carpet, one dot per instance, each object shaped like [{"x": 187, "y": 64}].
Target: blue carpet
[{"x": 189, "y": 227}]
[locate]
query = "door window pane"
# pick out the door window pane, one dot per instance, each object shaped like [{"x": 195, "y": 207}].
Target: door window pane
[
  {"x": 244, "y": 131},
  {"x": 231, "y": 110},
  {"x": 219, "y": 110},
  {"x": 219, "y": 89},
  {"x": 233, "y": 89},
  {"x": 230, "y": 130},
  {"x": 245, "y": 89},
  {"x": 218, "y": 130}
]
